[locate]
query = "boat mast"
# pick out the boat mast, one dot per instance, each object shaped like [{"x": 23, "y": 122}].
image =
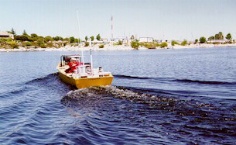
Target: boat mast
[
  {"x": 82, "y": 50},
  {"x": 91, "y": 60}
]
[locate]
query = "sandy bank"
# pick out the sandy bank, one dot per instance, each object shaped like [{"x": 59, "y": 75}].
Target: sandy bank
[
  {"x": 202, "y": 46},
  {"x": 115, "y": 48}
]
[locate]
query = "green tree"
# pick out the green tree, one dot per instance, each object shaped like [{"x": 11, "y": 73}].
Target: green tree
[
  {"x": 92, "y": 38},
  {"x": 132, "y": 37},
  {"x": 217, "y": 37},
  {"x": 98, "y": 37},
  {"x": 41, "y": 37},
  {"x": 26, "y": 43},
  {"x": 21, "y": 37},
  {"x": 173, "y": 42},
  {"x": 163, "y": 44},
  {"x": 57, "y": 38},
  {"x": 120, "y": 42},
  {"x": 13, "y": 31},
  {"x": 221, "y": 36},
  {"x": 150, "y": 45},
  {"x": 184, "y": 43},
  {"x": 72, "y": 40},
  {"x": 101, "y": 46},
  {"x": 50, "y": 44},
  {"x": 34, "y": 37},
  {"x": 61, "y": 38},
  {"x": 77, "y": 40},
  {"x": 211, "y": 38},
  {"x": 40, "y": 42},
  {"x": 24, "y": 33},
  {"x": 228, "y": 36},
  {"x": 12, "y": 44},
  {"x": 135, "y": 44},
  {"x": 48, "y": 38},
  {"x": 86, "y": 38},
  {"x": 196, "y": 41},
  {"x": 86, "y": 44},
  {"x": 202, "y": 40},
  {"x": 66, "y": 39},
  {"x": 156, "y": 44}
]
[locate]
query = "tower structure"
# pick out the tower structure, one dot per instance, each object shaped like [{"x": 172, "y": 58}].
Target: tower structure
[{"x": 111, "y": 28}]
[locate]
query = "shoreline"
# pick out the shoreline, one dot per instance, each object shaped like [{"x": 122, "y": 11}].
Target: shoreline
[{"x": 115, "y": 48}]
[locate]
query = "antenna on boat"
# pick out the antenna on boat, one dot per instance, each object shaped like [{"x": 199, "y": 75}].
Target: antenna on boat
[
  {"x": 91, "y": 60},
  {"x": 82, "y": 50}
]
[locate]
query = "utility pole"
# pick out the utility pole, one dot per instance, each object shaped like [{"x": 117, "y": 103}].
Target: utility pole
[{"x": 111, "y": 28}]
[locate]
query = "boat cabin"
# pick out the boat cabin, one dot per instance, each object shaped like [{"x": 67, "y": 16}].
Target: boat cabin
[{"x": 65, "y": 59}]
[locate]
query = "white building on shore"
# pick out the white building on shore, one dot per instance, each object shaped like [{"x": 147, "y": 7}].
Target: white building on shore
[
  {"x": 6, "y": 35},
  {"x": 146, "y": 39}
]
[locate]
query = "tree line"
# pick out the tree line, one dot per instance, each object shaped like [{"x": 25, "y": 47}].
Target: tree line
[
  {"x": 36, "y": 41},
  {"x": 218, "y": 38},
  {"x": 215, "y": 38}
]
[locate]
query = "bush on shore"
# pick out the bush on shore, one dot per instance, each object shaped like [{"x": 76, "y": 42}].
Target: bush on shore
[
  {"x": 202, "y": 40},
  {"x": 184, "y": 43},
  {"x": 118, "y": 43},
  {"x": 8, "y": 43},
  {"x": 12, "y": 44},
  {"x": 173, "y": 43},
  {"x": 86, "y": 44},
  {"x": 163, "y": 45},
  {"x": 36, "y": 41},
  {"x": 149, "y": 45},
  {"x": 101, "y": 46},
  {"x": 135, "y": 44}
]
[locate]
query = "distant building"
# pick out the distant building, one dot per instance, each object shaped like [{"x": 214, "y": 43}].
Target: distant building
[
  {"x": 105, "y": 40},
  {"x": 122, "y": 39},
  {"x": 146, "y": 39},
  {"x": 6, "y": 35},
  {"x": 158, "y": 41}
]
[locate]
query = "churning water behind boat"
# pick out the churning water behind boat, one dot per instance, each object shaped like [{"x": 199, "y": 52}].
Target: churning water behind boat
[{"x": 164, "y": 116}]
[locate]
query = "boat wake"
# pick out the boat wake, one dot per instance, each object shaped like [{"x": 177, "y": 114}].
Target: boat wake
[
  {"x": 206, "y": 82},
  {"x": 43, "y": 79},
  {"x": 154, "y": 101},
  {"x": 131, "y": 77},
  {"x": 176, "y": 80},
  {"x": 193, "y": 114}
]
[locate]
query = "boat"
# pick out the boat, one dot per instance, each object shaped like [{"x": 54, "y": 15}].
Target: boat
[{"x": 83, "y": 75}]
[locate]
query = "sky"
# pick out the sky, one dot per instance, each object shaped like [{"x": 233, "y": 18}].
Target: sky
[{"x": 161, "y": 19}]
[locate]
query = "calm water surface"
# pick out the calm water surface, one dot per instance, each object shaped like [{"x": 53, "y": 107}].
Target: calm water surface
[{"x": 183, "y": 96}]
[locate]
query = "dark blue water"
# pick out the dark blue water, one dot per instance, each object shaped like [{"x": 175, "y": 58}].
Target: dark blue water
[{"x": 183, "y": 96}]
